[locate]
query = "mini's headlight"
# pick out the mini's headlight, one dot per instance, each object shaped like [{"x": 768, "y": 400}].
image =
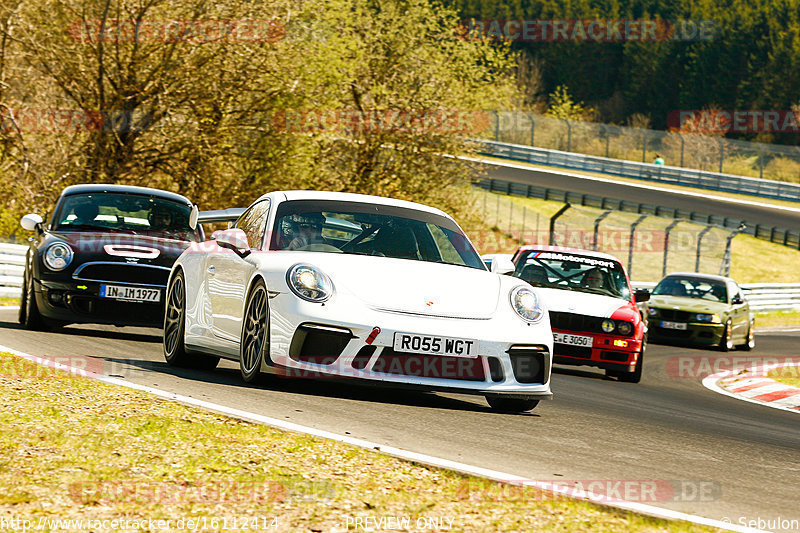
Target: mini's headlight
[
  {"x": 309, "y": 283},
  {"x": 607, "y": 325},
  {"x": 624, "y": 328},
  {"x": 58, "y": 256},
  {"x": 702, "y": 317},
  {"x": 526, "y": 304}
]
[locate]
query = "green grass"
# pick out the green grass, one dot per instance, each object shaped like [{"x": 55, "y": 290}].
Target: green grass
[
  {"x": 75, "y": 448},
  {"x": 511, "y": 220},
  {"x": 790, "y": 375},
  {"x": 778, "y": 319}
]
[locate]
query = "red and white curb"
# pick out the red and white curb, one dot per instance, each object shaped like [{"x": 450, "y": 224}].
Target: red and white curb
[
  {"x": 752, "y": 385},
  {"x": 494, "y": 475}
]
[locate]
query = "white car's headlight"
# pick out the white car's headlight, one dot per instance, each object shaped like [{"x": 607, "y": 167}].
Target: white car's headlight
[
  {"x": 309, "y": 283},
  {"x": 526, "y": 304},
  {"x": 58, "y": 256}
]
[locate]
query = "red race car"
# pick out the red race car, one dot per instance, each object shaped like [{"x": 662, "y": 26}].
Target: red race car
[{"x": 593, "y": 311}]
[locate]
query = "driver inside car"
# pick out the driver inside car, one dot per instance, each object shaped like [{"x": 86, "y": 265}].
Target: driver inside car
[
  {"x": 594, "y": 279},
  {"x": 306, "y": 229}
]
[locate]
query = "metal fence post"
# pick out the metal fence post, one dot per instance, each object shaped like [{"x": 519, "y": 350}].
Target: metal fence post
[
  {"x": 522, "y": 231},
  {"x": 569, "y": 134},
  {"x": 496, "y": 125},
  {"x": 630, "y": 243},
  {"x": 533, "y": 126},
  {"x": 699, "y": 244},
  {"x": 552, "y": 240},
  {"x": 644, "y": 146},
  {"x": 666, "y": 245},
  {"x": 761, "y": 161},
  {"x": 725, "y": 266},
  {"x": 721, "y": 153},
  {"x": 597, "y": 227},
  {"x": 683, "y": 143}
]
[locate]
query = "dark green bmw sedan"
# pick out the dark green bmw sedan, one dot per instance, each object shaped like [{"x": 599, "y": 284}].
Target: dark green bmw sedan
[{"x": 700, "y": 309}]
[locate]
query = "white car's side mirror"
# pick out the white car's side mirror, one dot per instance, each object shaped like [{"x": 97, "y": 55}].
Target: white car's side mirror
[
  {"x": 234, "y": 239},
  {"x": 31, "y": 221},
  {"x": 194, "y": 216},
  {"x": 502, "y": 265}
]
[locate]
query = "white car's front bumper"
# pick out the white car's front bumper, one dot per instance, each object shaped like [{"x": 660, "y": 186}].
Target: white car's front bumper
[{"x": 307, "y": 339}]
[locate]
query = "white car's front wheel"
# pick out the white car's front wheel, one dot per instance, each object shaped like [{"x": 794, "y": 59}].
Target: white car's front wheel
[
  {"x": 255, "y": 335},
  {"x": 510, "y": 405}
]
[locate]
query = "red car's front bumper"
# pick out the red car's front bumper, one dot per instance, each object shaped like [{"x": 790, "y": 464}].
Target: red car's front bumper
[{"x": 610, "y": 352}]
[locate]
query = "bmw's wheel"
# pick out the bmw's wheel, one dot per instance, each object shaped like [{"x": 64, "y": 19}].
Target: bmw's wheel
[
  {"x": 29, "y": 315},
  {"x": 255, "y": 334},
  {"x": 750, "y": 341},
  {"x": 726, "y": 342},
  {"x": 635, "y": 376},
  {"x": 174, "y": 326},
  {"x": 510, "y": 405}
]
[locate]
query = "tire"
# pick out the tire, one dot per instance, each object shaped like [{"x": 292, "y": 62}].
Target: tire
[
  {"x": 29, "y": 315},
  {"x": 255, "y": 333},
  {"x": 510, "y": 405},
  {"x": 750, "y": 340},
  {"x": 726, "y": 342},
  {"x": 174, "y": 327}
]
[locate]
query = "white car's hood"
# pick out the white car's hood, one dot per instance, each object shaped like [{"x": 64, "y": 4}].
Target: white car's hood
[
  {"x": 584, "y": 303},
  {"x": 401, "y": 285}
]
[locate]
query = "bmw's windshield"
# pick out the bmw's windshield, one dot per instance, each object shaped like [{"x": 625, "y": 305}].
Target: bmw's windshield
[
  {"x": 689, "y": 287},
  {"x": 573, "y": 272},
  {"x": 371, "y": 229},
  {"x": 122, "y": 212}
]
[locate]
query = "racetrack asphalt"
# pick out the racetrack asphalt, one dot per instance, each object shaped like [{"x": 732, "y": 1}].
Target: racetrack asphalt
[
  {"x": 649, "y": 193},
  {"x": 668, "y": 428}
]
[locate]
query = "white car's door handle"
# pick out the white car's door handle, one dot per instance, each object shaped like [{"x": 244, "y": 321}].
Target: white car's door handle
[{"x": 212, "y": 270}]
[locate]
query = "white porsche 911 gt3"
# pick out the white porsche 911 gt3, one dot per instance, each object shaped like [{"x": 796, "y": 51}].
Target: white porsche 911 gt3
[{"x": 353, "y": 286}]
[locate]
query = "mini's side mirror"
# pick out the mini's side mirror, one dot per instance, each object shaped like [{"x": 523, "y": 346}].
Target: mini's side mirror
[
  {"x": 234, "y": 239},
  {"x": 31, "y": 222},
  {"x": 641, "y": 295}
]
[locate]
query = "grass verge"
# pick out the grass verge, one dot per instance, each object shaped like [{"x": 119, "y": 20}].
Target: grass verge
[
  {"x": 777, "y": 319},
  {"x": 74, "y": 448},
  {"x": 790, "y": 375}
]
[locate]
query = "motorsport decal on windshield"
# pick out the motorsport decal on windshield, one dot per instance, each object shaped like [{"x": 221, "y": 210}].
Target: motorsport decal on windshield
[{"x": 576, "y": 258}]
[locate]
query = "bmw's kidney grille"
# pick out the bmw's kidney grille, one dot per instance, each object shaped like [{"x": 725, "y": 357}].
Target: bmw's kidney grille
[
  {"x": 123, "y": 273},
  {"x": 575, "y": 322},
  {"x": 674, "y": 314}
]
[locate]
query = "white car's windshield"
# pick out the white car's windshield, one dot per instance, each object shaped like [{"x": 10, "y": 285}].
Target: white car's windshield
[
  {"x": 573, "y": 272},
  {"x": 371, "y": 229}
]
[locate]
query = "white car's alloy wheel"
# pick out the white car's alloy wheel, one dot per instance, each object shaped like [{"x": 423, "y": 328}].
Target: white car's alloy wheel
[{"x": 254, "y": 333}]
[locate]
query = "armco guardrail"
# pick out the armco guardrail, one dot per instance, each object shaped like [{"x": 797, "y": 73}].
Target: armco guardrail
[
  {"x": 770, "y": 233},
  {"x": 686, "y": 177},
  {"x": 762, "y": 296},
  {"x": 12, "y": 267}
]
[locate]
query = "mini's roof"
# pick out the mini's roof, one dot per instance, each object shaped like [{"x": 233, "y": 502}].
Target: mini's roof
[
  {"x": 353, "y": 197},
  {"x": 564, "y": 249},
  {"x": 129, "y": 189}
]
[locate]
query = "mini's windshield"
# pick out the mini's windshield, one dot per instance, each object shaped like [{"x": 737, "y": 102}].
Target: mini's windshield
[
  {"x": 573, "y": 272},
  {"x": 129, "y": 213},
  {"x": 704, "y": 289},
  {"x": 371, "y": 229}
]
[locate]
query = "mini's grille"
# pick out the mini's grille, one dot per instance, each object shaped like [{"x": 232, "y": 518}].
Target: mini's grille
[
  {"x": 430, "y": 366},
  {"x": 124, "y": 273}
]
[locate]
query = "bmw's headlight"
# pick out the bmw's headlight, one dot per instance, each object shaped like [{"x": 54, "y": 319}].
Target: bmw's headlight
[
  {"x": 309, "y": 283},
  {"x": 714, "y": 319},
  {"x": 526, "y": 304},
  {"x": 58, "y": 256},
  {"x": 607, "y": 325},
  {"x": 652, "y": 311},
  {"x": 624, "y": 328}
]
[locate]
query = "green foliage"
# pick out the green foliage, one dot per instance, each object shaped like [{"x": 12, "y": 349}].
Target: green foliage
[{"x": 563, "y": 106}]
